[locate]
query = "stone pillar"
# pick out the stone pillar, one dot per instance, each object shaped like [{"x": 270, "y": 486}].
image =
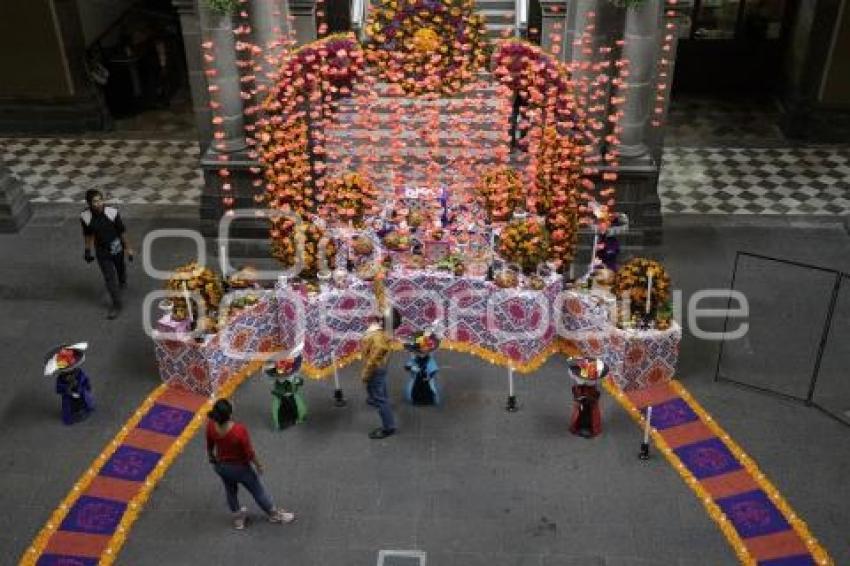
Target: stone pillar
[
  {"x": 15, "y": 208},
  {"x": 271, "y": 30},
  {"x": 190, "y": 26},
  {"x": 304, "y": 20},
  {"x": 643, "y": 24},
  {"x": 577, "y": 20},
  {"x": 218, "y": 28},
  {"x": 554, "y": 11}
]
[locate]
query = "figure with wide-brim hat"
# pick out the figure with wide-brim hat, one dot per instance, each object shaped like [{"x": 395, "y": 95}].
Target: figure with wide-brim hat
[
  {"x": 586, "y": 373},
  {"x": 64, "y": 362},
  {"x": 422, "y": 387},
  {"x": 288, "y": 405}
]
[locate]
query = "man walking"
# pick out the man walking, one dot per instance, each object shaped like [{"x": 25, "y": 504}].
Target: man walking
[
  {"x": 106, "y": 240},
  {"x": 375, "y": 348}
]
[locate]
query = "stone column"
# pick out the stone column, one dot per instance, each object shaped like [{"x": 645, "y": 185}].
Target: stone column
[
  {"x": 218, "y": 28},
  {"x": 271, "y": 30},
  {"x": 643, "y": 24},
  {"x": 15, "y": 208},
  {"x": 554, "y": 11},
  {"x": 304, "y": 22},
  {"x": 190, "y": 26}
]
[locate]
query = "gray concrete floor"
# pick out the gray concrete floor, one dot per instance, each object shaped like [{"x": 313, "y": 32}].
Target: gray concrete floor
[{"x": 467, "y": 483}]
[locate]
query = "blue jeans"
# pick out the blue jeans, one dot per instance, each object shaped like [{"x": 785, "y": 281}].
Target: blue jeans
[
  {"x": 376, "y": 395},
  {"x": 234, "y": 474}
]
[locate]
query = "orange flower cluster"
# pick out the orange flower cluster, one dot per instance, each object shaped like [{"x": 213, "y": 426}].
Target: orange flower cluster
[
  {"x": 525, "y": 242},
  {"x": 351, "y": 198},
  {"x": 289, "y": 139},
  {"x": 426, "y": 46},
  {"x": 559, "y": 166},
  {"x": 500, "y": 189},
  {"x": 556, "y": 141},
  {"x": 289, "y": 181},
  {"x": 318, "y": 250},
  {"x": 632, "y": 280}
]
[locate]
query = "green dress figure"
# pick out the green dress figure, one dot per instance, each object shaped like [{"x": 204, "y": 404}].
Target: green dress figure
[{"x": 288, "y": 405}]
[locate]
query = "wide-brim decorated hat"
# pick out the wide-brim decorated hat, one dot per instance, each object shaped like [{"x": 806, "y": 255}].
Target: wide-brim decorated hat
[
  {"x": 286, "y": 366},
  {"x": 423, "y": 342},
  {"x": 587, "y": 371},
  {"x": 65, "y": 358}
]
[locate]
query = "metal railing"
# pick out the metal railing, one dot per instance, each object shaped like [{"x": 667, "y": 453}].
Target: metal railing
[{"x": 359, "y": 17}]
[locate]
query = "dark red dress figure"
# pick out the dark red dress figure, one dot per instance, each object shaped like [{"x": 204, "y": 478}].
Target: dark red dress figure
[{"x": 586, "y": 420}]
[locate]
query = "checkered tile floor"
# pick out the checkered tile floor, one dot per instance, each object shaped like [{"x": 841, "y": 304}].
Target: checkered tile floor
[
  {"x": 810, "y": 181},
  {"x": 127, "y": 171}
]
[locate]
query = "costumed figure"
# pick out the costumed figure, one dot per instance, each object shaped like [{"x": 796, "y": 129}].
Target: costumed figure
[
  {"x": 586, "y": 419},
  {"x": 422, "y": 387},
  {"x": 64, "y": 362},
  {"x": 288, "y": 405},
  {"x": 609, "y": 249}
]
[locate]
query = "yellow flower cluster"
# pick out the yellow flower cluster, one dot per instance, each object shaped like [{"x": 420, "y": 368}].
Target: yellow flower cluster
[
  {"x": 194, "y": 279},
  {"x": 632, "y": 279},
  {"x": 309, "y": 238},
  {"x": 351, "y": 198},
  {"x": 500, "y": 189},
  {"x": 525, "y": 242}
]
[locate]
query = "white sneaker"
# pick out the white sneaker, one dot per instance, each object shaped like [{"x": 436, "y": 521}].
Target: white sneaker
[
  {"x": 281, "y": 516},
  {"x": 239, "y": 518}
]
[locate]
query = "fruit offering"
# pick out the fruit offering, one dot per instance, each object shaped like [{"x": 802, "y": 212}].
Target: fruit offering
[
  {"x": 243, "y": 279},
  {"x": 397, "y": 242},
  {"x": 536, "y": 283},
  {"x": 632, "y": 280},
  {"x": 525, "y": 242},
  {"x": 506, "y": 279},
  {"x": 453, "y": 263},
  {"x": 362, "y": 246},
  {"x": 194, "y": 279},
  {"x": 318, "y": 250}
]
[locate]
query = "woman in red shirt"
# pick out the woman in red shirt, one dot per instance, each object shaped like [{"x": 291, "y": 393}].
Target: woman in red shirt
[{"x": 230, "y": 452}]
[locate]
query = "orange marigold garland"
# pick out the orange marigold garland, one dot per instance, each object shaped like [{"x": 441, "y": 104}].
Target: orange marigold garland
[
  {"x": 426, "y": 46},
  {"x": 500, "y": 189},
  {"x": 351, "y": 198},
  {"x": 525, "y": 242},
  {"x": 289, "y": 137}
]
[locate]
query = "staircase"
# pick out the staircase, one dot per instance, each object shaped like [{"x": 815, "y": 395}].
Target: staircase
[
  {"x": 396, "y": 135},
  {"x": 500, "y": 17}
]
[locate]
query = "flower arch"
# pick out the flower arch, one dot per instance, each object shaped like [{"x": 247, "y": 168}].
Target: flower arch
[{"x": 426, "y": 46}]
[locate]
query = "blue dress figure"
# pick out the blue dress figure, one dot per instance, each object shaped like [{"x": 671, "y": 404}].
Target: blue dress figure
[
  {"x": 422, "y": 387},
  {"x": 72, "y": 383}
]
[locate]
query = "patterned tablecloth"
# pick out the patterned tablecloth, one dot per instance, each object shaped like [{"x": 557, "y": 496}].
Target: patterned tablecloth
[{"x": 509, "y": 327}]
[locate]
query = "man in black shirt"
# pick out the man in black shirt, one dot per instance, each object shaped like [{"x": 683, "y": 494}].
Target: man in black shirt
[{"x": 104, "y": 232}]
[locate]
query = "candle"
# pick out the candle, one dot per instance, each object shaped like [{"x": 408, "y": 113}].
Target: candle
[
  {"x": 188, "y": 302},
  {"x": 510, "y": 381},
  {"x": 593, "y": 250},
  {"x": 648, "y": 290},
  {"x": 572, "y": 271},
  {"x": 647, "y": 425}
]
